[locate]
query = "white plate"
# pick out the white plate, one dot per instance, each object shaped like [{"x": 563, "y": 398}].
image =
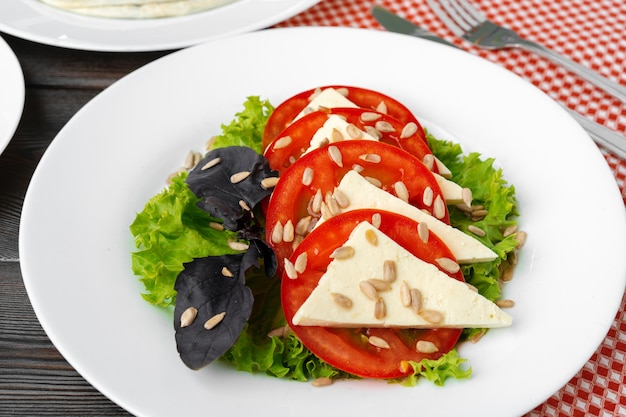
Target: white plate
[
  {"x": 75, "y": 244},
  {"x": 38, "y": 22},
  {"x": 11, "y": 93}
]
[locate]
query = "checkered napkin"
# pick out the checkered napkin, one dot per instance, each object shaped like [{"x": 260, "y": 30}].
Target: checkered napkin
[{"x": 591, "y": 32}]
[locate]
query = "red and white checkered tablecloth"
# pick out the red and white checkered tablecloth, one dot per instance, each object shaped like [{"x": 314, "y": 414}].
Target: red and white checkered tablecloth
[{"x": 591, "y": 32}]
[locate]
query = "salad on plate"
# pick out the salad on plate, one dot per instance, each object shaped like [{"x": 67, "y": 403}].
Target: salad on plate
[{"x": 330, "y": 237}]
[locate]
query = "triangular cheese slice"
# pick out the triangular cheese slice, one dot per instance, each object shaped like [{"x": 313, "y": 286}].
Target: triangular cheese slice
[
  {"x": 454, "y": 302},
  {"x": 362, "y": 194}
]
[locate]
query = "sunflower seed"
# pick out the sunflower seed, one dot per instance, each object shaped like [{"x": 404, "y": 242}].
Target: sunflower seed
[
  {"x": 476, "y": 230},
  {"x": 239, "y": 176},
  {"x": 214, "y": 321},
  {"x": 408, "y": 130},
  {"x": 432, "y": 316},
  {"x": 424, "y": 346},
  {"x": 288, "y": 231},
  {"x": 335, "y": 155},
  {"x": 302, "y": 227},
  {"x": 322, "y": 382},
  {"x": 371, "y": 157},
  {"x": 341, "y": 198},
  {"x": 281, "y": 332},
  {"x": 235, "y": 245},
  {"x": 341, "y": 300},
  {"x": 369, "y": 116},
  {"x": 290, "y": 269},
  {"x": 429, "y": 161},
  {"x": 371, "y": 130},
  {"x": 269, "y": 182},
  {"x": 342, "y": 252},
  {"x": 371, "y": 237},
  {"x": 277, "y": 233},
  {"x": 300, "y": 263},
  {"x": 376, "y": 219},
  {"x": 354, "y": 132},
  {"x": 448, "y": 265},
  {"x": 209, "y": 143},
  {"x": 282, "y": 142},
  {"x": 384, "y": 127},
  {"x": 505, "y": 303},
  {"x": 401, "y": 191},
  {"x": 378, "y": 342},
  {"x": 227, "y": 273},
  {"x": 422, "y": 232},
  {"x": 188, "y": 316},
  {"x": 379, "y": 284},
  {"x": 369, "y": 290},
  {"x": 405, "y": 294},
  {"x": 380, "y": 310},
  {"x": 216, "y": 226},
  {"x": 316, "y": 203},
  {"x": 416, "y": 300},
  {"x": 521, "y": 238},
  {"x": 509, "y": 230},
  {"x": 507, "y": 274},
  {"x": 336, "y": 135},
  {"x": 389, "y": 271},
  {"x": 213, "y": 162},
  {"x": 244, "y": 205},
  {"x": 307, "y": 176},
  {"x": 188, "y": 164},
  {"x": 428, "y": 196},
  {"x": 374, "y": 181},
  {"x": 439, "y": 207}
]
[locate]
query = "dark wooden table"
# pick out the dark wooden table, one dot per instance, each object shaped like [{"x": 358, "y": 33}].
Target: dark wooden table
[{"x": 35, "y": 380}]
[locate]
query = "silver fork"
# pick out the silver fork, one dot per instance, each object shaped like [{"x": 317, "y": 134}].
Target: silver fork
[{"x": 467, "y": 22}]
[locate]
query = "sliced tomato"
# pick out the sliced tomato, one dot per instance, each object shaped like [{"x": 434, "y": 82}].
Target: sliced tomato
[
  {"x": 318, "y": 172},
  {"x": 284, "y": 114},
  {"x": 292, "y": 142},
  {"x": 348, "y": 348}
]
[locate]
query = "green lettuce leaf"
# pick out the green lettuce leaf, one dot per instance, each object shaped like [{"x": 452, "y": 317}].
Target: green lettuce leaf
[
  {"x": 170, "y": 231},
  {"x": 247, "y": 127},
  {"x": 438, "y": 370}
]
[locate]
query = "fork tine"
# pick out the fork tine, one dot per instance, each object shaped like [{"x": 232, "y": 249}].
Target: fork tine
[
  {"x": 471, "y": 14},
  {"x": 443, "y": 16}
]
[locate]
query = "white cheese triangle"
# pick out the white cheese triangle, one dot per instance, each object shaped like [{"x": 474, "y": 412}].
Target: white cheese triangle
[
  {"x": 328, "y": 98},
  {"x": 362, "y": 194},
  {"x": 459, "y": 305}
]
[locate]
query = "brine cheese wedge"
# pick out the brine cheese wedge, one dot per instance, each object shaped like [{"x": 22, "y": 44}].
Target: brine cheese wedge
[
  {"x": 452, "y": 302},
  {"x": 330, "y": 98},
  {"x": 360, "y": 193}
]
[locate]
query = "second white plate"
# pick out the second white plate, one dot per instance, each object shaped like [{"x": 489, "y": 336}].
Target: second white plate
[{"x": 38, "y": 22}]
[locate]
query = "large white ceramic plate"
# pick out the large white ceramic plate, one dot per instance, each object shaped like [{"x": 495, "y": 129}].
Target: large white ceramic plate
[
  {"x": 117, "y": 151},
  {"x": 11, "y": 93},
  {"x": 38, "y": 22}
]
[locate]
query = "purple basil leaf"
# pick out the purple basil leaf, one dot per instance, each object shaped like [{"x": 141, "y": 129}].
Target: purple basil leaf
[{"x": 220, "y": 197}]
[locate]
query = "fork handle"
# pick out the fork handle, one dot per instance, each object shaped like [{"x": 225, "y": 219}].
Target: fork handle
[
  {"x": 610, "y": 86},
  {"x": 600, "y": 134}
]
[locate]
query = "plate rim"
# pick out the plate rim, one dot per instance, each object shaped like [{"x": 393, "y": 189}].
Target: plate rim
[{"x": 17, "y": 83}]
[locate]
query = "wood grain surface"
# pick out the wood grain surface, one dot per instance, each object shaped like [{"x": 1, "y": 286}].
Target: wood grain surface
[{"x": 35, "y": 379}]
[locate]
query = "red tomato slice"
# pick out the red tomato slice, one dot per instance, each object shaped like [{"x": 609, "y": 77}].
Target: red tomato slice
[
  {"x": 348, "y": 349},
  {"x": 292, "y": 201},
  {"x": 284, "y": 114},
  {"x": 295, "y": 139}
]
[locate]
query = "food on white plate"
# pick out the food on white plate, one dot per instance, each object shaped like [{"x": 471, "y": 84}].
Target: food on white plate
[
  {"x": 136, "y": 9},
  {"x": 340, "y": 252}
]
